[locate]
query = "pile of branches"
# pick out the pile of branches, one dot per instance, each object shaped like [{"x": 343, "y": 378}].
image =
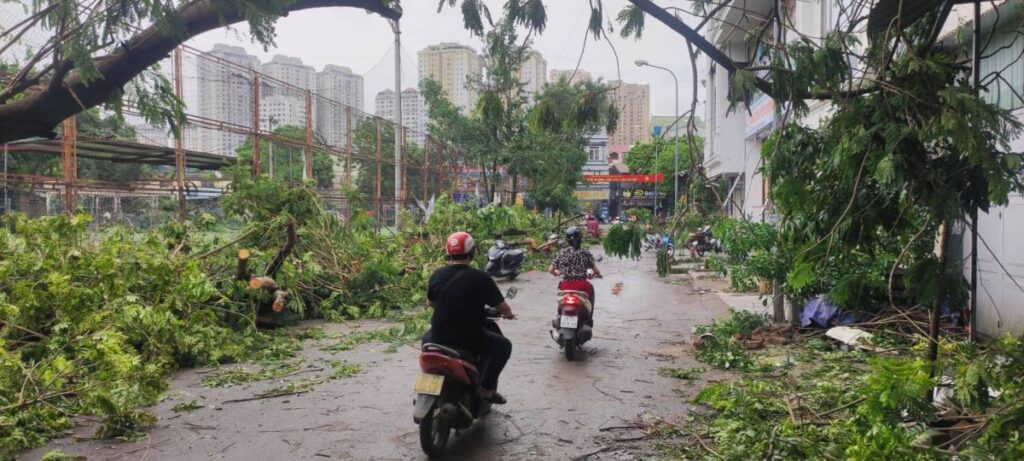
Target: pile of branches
[{"x": 823, "y": 400}]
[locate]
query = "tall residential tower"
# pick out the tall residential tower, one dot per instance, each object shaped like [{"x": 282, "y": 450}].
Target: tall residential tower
[{"x": 453, "y": 66}]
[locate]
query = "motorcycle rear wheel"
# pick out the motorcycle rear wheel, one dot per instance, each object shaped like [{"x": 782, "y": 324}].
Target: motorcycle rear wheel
[
  {"x": 434, "y": 434},
  {"x": 571, "y": 350}
]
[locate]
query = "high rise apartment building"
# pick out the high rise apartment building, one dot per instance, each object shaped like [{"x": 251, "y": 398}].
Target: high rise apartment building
[
  {"x": 414, "y": 114},
  {"x": 453, "y": 66},
  {"x": 533, "y": 74},
  {"x": 291, "y": 71},
  {"x": 334, "y": 85},
  {"x": 633, "y": 101},
  {"x": 225, "y": 95}
]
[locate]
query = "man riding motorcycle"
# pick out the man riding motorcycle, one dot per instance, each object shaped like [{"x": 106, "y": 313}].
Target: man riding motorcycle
[
  {"x": 459, "y": 294},
  {"x": 572, "y": 264}
]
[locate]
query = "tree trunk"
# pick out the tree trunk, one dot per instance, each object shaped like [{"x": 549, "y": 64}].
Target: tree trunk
[
  {"x": 515, "y": 188},
  {"x": 242, "y": 269},
  {"x": 933, "y": 320},
  {"x": 36, "y": 114},
  {"x": 779, "y": 303}
]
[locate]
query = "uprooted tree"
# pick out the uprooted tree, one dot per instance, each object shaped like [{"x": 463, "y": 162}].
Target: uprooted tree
[{"x": 101, "y": 53}]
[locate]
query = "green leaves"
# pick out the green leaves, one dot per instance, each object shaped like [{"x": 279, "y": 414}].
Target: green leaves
[
  {"x": 595, "y": 24},
  {"x": 623, "y": 241},
  {"x": 631, "y": 22},
  {"x": 472, "y": 19}
]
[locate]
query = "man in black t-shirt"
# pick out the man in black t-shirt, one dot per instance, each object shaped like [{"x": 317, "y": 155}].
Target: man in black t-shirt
[{"x": 459, "y": 293}]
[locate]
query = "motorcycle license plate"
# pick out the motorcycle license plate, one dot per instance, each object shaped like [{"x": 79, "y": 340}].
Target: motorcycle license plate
[
  {"x": 569, "y": 321},
  {"x": 428, "y": 384}
]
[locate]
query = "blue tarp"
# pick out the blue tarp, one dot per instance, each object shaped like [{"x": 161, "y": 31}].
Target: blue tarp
[{"x": 824, "y": 314}]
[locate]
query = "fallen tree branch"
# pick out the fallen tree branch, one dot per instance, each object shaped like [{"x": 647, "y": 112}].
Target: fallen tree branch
[
  {"x": 842, "y": 407},
  {"x": 266, "y": 396},
  {"x": 228, "y": 244},
  {"x": 285, "y": 251},
  {"x": 36, "y": 114},
  {"x": 592, "y": 453}
]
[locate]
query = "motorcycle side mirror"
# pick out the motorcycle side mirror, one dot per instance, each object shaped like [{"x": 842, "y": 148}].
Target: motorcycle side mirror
[{"x": 511, "y": 293}]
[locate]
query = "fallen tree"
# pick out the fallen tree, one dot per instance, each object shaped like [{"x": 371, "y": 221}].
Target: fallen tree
[{"x": 97, "y": 49}]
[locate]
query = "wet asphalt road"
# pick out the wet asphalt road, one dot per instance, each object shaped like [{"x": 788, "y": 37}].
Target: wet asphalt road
[{"x": 556, "y": 410}]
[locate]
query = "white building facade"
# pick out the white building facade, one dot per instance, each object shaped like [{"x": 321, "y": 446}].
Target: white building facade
[
  {"x": 533, "y": 74},
  {"x": 225, "y": 94},
  {"x": 455, "y": 67},
  {"x": 339, "y": 88},
  {"x": 414, "y": 114}
]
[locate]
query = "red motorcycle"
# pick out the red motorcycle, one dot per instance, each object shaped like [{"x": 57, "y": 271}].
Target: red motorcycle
[
  {"x": 448, "y": 390},
  {"x": 702, "y": 242}
]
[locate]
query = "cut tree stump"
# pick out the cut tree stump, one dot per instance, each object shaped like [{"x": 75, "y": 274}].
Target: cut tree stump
[{"x": 242, "y": 270}]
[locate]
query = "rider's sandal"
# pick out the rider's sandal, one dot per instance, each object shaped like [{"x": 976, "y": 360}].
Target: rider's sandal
[{"x": 496, "y": 399}]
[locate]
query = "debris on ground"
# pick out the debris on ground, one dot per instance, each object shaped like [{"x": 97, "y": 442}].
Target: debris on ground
[
  {"x": 830, "y": 401},
  {"x": 853, "y": 337}
]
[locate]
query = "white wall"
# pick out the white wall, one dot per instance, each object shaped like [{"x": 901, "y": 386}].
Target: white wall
[
  {"x": 1000, "y": 301},
  {"x": 723, "y": 153}
]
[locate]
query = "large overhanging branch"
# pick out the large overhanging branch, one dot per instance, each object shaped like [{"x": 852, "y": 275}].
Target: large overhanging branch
[
  {"x": 37, "y": 113},
  {"x": 698, "y": 40},
  {"x": 694, "y": 37}
]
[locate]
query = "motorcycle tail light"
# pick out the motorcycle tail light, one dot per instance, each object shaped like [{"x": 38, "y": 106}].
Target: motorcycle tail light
[{"x": 570, "y": 303}]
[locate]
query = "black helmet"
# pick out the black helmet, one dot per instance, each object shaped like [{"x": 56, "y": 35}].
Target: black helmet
[{"x": 574, "y": 237}]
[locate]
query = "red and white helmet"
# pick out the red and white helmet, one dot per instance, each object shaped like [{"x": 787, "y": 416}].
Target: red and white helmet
[{"x": 459, "y": 244}]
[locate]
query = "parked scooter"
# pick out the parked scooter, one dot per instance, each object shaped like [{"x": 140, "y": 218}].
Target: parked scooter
[
  {"x": 702, "y": 242},
  {"x": 573, "y": 320},
  {"x": 657, "y": 241},
  {"x": 448, "y": 390},
  {"x": 504, "y": 261}
]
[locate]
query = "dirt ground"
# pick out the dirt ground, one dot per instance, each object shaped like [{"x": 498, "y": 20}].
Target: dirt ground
[{"x": 556, "y": 410}]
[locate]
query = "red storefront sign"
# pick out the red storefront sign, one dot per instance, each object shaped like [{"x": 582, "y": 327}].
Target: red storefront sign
[{"x": 638, "y": 178}]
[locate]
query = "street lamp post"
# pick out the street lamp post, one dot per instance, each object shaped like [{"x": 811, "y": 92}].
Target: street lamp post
[{"x": 675, "y": 124}]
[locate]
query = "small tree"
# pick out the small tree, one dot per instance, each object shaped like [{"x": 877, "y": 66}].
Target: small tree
[{"x": 289, "y": 157}]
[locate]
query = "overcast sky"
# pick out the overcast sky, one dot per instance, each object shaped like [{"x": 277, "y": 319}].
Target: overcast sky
[{"x": 352, "y": 38}]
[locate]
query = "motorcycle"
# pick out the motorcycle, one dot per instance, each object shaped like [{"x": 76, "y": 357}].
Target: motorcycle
[
  {"x": 702, "y": 242},
  {"x": 572, "y": 321},
  {"x": 448, "y": 390},
  {"x": 594, "y": 227},
  {"x": 657, "y": 241},
  {"x": 504, "y": 261}
]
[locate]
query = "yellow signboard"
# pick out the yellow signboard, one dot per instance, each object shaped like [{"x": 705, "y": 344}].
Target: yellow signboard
[{"x": 591, "y": 194}]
